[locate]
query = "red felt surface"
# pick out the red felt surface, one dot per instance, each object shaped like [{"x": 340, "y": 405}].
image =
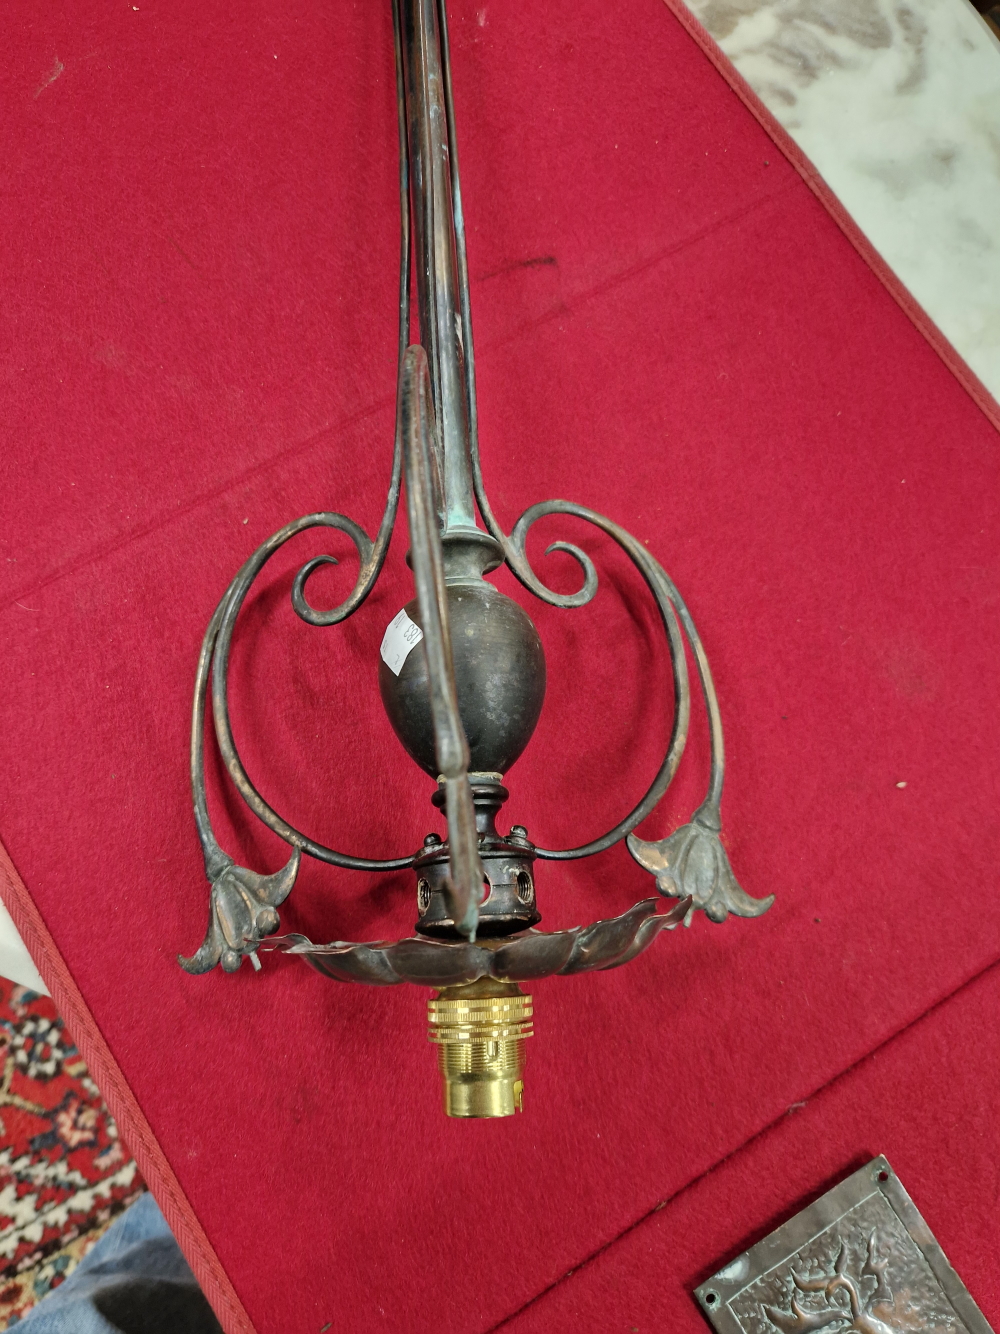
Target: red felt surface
[
  {"x": 925, "y": 1100},
  {"x": 199, "y": 334}
]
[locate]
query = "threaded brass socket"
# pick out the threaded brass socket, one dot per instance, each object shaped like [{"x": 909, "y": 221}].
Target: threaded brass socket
[{"x": 480, "y": 1030}]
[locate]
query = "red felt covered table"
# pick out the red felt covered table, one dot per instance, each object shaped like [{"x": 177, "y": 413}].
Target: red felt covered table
[{"x": 199, "y": 311}]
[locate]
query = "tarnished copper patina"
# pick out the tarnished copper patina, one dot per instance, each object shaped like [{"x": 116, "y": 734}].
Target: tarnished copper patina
[{"x": 465, "y": 700}]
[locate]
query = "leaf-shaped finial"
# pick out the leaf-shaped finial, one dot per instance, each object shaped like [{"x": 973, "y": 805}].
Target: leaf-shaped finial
[
  {"x": 693, "y": 863},
  {"x": 242, "y": 913}
]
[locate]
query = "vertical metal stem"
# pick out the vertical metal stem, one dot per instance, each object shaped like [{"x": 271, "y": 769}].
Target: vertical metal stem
[
  {"x": 451, "y": 746},
  {"x": 438, "y": 283},
  {"x": 465, "y": 305}
]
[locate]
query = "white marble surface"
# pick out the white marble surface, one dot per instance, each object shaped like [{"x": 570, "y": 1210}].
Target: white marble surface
[
  {"x": 15, "y": 961},
  {"x": 897, "y": 104}
]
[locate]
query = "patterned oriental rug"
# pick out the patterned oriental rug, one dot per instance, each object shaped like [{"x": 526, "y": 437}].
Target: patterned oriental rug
[{"x": 64, "y": 1174}]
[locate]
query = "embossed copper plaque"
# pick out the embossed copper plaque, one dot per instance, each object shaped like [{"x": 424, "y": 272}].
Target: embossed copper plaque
[{"x": 860, "y": 1259}]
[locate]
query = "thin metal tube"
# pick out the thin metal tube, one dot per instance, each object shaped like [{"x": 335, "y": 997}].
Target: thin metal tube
[
  {"x": 437, "y": 272},
  {"x": 466, "y": 875},
  {"x": 371, "y": 568},
  {"x": 461, "y": 256}
]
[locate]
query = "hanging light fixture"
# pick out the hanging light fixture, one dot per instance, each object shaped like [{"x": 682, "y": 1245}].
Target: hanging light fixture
[{"x": 462, "y": 679}]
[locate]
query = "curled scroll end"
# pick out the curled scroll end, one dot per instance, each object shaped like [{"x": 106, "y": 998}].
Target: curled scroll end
[
  {"x": 243, "y": 912},
  {"x": 515, "y": 553},
  {"x": 692, "y": 863},
  {"x": 303, "y": 608},
  {"x": 584, "y": 594},
  {"x": 371, "y": 563}
]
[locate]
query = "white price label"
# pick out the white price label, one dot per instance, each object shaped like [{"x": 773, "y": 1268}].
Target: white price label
[{"x": 400, "y": 637}]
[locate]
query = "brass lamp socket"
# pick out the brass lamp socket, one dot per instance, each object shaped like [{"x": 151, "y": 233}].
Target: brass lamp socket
[{"x": 480, "y": 1030}]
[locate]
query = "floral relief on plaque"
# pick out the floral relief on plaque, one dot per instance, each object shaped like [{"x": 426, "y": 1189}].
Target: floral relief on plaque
[{"x": 860, "y": 1260}]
